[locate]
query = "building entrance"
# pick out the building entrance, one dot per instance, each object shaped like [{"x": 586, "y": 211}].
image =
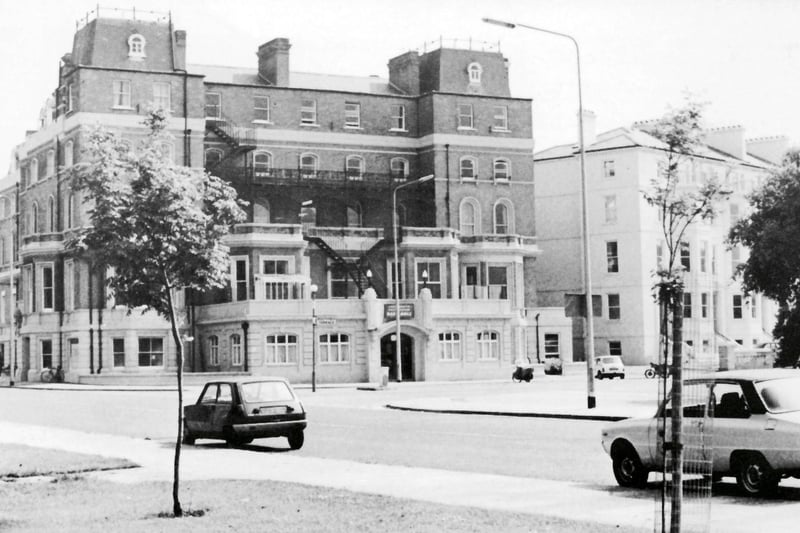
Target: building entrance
[{"x": 388, "y": 347}]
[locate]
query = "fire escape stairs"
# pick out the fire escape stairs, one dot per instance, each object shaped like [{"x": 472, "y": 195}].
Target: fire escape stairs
[
  {"x": 239, "y": 140},
  {"x": 356, "y": 270}
]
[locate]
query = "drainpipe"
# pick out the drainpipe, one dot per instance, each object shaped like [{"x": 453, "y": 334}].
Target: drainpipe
[
  {"x": 100, "y": 328},
  {"x": 447, "y": 190},
  {"x": 245, "y": 328},
  {"x": 91, "y": 321}
]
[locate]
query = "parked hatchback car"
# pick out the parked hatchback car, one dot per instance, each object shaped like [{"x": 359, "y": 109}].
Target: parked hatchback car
[
  {"x": 609, "y": 366},
  {"x": 742, "y": 423},
  {"x": 239, "y": 411}
]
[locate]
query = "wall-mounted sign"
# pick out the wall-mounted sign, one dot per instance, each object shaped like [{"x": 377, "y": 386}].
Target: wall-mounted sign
[
  {"x": 390, "y": 312},
  {"x": 326, "y": 321}
]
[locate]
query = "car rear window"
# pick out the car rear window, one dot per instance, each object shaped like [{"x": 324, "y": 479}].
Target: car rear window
[
  {"x": 780, "y": 395},
  {"x": 266, "y": 391}
]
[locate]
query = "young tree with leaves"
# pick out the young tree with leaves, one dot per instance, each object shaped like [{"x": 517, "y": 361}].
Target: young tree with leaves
[
  {"x": 158, "y": 226},
  {"x": 678, "y": 207},
  {"x": 772, "y": 235}
]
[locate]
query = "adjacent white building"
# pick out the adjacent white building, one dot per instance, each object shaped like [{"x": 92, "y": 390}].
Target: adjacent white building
[{"x": 627, "y": 244}]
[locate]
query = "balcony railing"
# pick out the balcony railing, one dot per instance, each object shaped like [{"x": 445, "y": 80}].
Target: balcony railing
[{"x": 295, "y": 176}]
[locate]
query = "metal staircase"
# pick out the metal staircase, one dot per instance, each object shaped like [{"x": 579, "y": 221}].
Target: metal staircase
[
  {"x": 240, "y": 140},
  {"x": 356, "y": 270}
]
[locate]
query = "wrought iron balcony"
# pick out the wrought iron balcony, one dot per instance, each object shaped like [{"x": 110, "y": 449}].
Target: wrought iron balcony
[{"x": 296, "y": 176}]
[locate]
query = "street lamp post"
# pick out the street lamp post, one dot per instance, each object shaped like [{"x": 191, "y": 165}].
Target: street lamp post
[
  {"x": 396, "y": 281},
  {"x": 587, "y": 272},
  {"x": 313, "y": 337}
]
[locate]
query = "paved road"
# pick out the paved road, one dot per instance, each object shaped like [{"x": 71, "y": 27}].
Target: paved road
[{"x": 525, "y": 465}]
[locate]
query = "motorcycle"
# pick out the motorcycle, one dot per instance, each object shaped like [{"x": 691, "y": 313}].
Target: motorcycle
[
  {"x": 523, "y": 372},
  {"x": 659, "y": 370}
]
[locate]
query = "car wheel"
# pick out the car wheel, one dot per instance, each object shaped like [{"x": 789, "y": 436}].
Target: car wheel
[
  {"x": 628, "y": 468},
  {"x": 296, "y": 439},
  {"x": 649, "y": 373},
  {"x": 754, "y": 475},
  {"x": 599, "y": 375},
  {"x": 230, "y": 437},
  {"x": 622, "y": 376}
]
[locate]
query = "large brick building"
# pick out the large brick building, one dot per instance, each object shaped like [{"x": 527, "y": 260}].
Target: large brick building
[{"x": 319, "y": 158}]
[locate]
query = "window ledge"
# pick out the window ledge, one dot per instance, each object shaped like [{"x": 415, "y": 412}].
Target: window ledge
[
  {"x": 350, "y": 127},
  {"x": 260, "y": 121},
  {"x": 280, "y": 364},
  {"x": 309, "y": 125},
  {"x": 495, "y": 129},
  {"x": 504, "y": 181},
  {"x": 466, "y": 128},
  {"x": 122, "y": 108},
  {"x": 398, "y": 130}
]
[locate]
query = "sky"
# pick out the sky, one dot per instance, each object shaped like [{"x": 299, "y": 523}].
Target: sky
[{"x": 638, "y": 58}]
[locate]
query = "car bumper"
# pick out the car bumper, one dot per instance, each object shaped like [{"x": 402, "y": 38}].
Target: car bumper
[{"x": 268, "y": 429}]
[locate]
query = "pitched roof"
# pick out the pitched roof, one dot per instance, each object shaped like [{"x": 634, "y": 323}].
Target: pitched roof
[{"x": 298, "y": 80}]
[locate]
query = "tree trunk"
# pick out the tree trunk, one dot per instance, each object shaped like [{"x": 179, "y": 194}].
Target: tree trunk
[
  {"x": 677, "y": 412},
  {"x": 176, "y": 504}
]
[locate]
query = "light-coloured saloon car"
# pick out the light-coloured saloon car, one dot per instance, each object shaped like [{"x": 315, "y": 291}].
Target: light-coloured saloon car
[{"x": 748, "y": 422}]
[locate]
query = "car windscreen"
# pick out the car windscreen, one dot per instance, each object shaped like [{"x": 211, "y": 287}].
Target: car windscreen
[
  {"x": 266, "y": 391},
  {"x": 780, "y": 395}
]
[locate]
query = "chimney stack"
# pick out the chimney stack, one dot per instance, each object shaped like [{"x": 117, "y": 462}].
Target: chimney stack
[
  {"x": 179, "y": 50},
  {"x": 589, "y": 128},
  {"x": 729, "y": 139},
  {"x": 273, "y": 62},
  {"x": 771, "y": 149},
  {"x": 404, "y": 72}
]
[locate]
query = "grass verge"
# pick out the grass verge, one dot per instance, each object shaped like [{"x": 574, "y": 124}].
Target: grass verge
[
  {"x": 87, "y": 504},
  {"x": 17, "y": 460}
]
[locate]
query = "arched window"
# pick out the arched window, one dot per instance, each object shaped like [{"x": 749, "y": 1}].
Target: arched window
[
  {"x": 51, "y": 162},
  {"x": 2, "y": 251},
  {"x": 354, "y": 167},
  {"x": 136, "y": 44},
  {"x": 51, "y": 215},
  {"x": 475, "y": 70},
  {"x": 354, "y": 215},
  {"x": 236, "y": 350},
  {"x": 3, "y": 207},
  {"x": 468, "y": 168},
  {"x": 261, "y": 211},
  {"x": 69, "y": 153},
  {"x": 334, "y": 348},
  {"x": 488, "y": 345},
  {"x": 34, "y": 219},
  {"x": 469, "y": 217},
  {"x": 308, "y": 165},
  {"x": 213, "y": 157},
  {"x": 401, "y": 215},
  {"x": 213, "y": 350},
  {"x": 399, "y": 168},
  {"x": 34, "y": 170},
  {"x": 503, "y": 217},
  {"x": 262, "y": 164},
  {"x": 502, "y": 170}
]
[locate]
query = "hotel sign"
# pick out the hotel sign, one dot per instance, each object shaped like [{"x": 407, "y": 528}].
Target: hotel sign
[{"x": 390, "y": 311}]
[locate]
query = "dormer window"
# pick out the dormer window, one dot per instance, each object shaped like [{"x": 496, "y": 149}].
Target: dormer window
[
  {"x": 136, "y": 45},
  {"x": 475, "y": 71}
]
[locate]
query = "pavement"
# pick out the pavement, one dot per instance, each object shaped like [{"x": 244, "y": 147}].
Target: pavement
[{"x": 553, "y": 396}]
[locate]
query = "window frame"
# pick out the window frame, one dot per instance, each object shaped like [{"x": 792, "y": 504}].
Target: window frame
[
  {"x": 47, "y": 287},
  {"x": 212, "y": 150},
  {"x": 609, "y": 169},
  {"x": 548, "y": 343},
  {"x": 213, "y": 350},
  {"x": 474, "y": 72},
  {"x": 122, "y": 96},
  {"x": 308, "y": 112},
  {"x": 488, "y": 349},
  {"x": 398, "y": 119},
  {"x": 610, "y": 208},
  {"x": 508, "y": 210},
  {"x": 340, "y": 348},
  {"x": 117, "y": 356},
  {"x": 473, "y": 204},
  {"x": 216, "y": 107},
  {"x": 419, "y": 282},
  {"x": 262, "y": 169},
  {"x": 737, "y": 308},
  {"x": 614, "y": 305},
  {"x": 473, "y": 167},
  {"x": 450, "y": 346},
  {"x": 352, "y": 115},
  {"x": 159, "y": 100},
  {"x": 136, "y": 46},
  {"x": 262, "y": 114},
  {"x": 235, "y": 340},
  {"x": 155, "y": 358},
  {"x": 305, "y": 170},
  {"x": 498, "y": 174},
  {"x": 465, "y": 114},
  {"x": 612, "y": 257},
  {"x": 285, "y": 342},
  {"x": 500, "y": 119},
  {"x": 46, "y": 355},
  {"x": 354, "y": 173},
  {"x": 236, "y": 284},
  {"x": 403, "y": 174}
]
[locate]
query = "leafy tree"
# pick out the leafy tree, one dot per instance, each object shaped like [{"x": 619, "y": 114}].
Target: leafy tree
[
  {"x": 159, "y": 226},
  {"x": 771, "y": 233},
  {"x": 678, "y": 207}
]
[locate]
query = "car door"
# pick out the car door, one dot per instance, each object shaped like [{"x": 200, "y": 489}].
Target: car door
[
  {"x": 198, "y": 416},
  {"x": 221, "y": 410},
  {"x": 734, "y": 427}
]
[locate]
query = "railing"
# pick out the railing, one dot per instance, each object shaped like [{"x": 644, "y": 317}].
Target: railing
[
  {"x": 114, "y": 12},
  {"x": 230, "y": 132},
  {"x": 294, "y": 176},
  {"x": 462, "y": 44}
]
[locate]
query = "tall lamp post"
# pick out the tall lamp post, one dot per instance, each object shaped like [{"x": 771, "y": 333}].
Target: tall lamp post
[
  {"x": 396, "y": 281},
  {"x": 587, "y": 272},
  {"x": 313, "y": 289}
]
